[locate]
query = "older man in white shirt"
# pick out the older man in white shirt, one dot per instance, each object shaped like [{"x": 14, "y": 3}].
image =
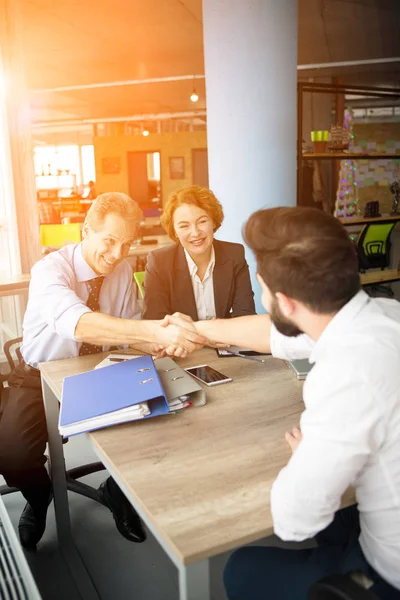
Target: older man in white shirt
[
  {"x": 350, "y": 430},
  {"x": 81, "y": 301}
]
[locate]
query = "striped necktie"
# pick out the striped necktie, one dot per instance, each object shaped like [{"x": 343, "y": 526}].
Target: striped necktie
[{"x": 94, "y": 286}]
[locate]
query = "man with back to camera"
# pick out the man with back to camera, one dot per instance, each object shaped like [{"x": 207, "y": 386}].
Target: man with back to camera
[
  {"x": 350, "y": 430},
  {"x": 81, "y": 301}
]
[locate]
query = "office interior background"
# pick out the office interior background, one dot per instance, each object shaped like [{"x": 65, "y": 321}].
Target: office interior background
[{"x": 148, "y": 97}]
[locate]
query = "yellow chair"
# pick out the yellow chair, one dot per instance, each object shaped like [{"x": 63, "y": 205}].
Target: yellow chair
[
  {"x": 58, "y": 235},
  {"x": 139, "y": 278}
]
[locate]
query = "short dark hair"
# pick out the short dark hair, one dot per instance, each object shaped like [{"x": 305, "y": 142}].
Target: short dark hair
[{"x": 305, "y": 254}]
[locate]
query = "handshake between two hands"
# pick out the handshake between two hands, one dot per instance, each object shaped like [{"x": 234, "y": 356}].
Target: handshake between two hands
[
  {"x": 179, "y": 337},
  {"x": 182, "y": 338}
]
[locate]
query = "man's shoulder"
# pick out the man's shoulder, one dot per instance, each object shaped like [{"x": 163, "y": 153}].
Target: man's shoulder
[
  {"x": 60, "y": 260},
  {"x": 366, "y": 358}
]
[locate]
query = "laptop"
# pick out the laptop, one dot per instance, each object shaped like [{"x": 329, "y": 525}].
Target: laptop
[{"x": 300, "y": 368}]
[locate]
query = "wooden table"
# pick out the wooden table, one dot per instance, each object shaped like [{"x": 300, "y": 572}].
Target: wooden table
[
  {"x": 144, "y": 249},
  {"x": 14, "y": 284},
  {"x": 200, "y": 480},
  {"x": 137, "y": 256},
  {"x": 150, "y": 222},
  {"x": 374, "y": 277}
]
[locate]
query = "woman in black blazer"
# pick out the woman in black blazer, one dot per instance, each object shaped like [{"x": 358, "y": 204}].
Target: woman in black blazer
[{"x": 198, "y": 276}]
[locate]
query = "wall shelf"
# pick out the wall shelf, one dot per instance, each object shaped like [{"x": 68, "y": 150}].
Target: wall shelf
[
  {"x": 348, "y": 155},
  {"x": 339, "y": 92}
]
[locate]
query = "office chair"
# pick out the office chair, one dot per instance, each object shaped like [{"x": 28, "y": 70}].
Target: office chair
[
  {"x": 72, "y": 474},
  {"x": 373, "y": 250},
  {"x": 339, "y": 587},
  {"x": 373, "y": 246},
  {"x": 139, "y": 278}
]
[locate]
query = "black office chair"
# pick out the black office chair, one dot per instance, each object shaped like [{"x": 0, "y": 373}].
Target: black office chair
[
  {"x": 339, "y": 587},
  {"x": 72, "y": 474}
]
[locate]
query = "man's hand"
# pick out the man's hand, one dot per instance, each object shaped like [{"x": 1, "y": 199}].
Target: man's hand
[
  {"x": 293, "y": 438},
  {"x": 149, "y": 348},
  {"x": 179, "y": 319},
  {"x": 221, "y": 345},
  {"x": 179, "y": 336},
  {"x": 186, "y": 321},
  {"x": 183, "y": 321}
]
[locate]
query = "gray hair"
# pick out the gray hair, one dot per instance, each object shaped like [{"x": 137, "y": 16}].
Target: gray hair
[{"x": 113, "y": 203}]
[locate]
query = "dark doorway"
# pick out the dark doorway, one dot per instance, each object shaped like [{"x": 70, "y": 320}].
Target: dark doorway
[
  {"x": 200, "y": 167},
  {"x": 144, "y": 180}
]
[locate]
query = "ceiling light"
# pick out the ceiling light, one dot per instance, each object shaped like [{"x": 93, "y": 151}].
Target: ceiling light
[
  {"x": 194, "y": 95},
  {"x": 145, "y": 132}
]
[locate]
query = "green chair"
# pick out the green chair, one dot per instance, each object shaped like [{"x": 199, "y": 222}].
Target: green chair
[
  {"x": 58, "y": 235},
  {"x": 139, "y": 278},
  {"x": 373, "y": 246},
  {"x": 373, "y": 250}
]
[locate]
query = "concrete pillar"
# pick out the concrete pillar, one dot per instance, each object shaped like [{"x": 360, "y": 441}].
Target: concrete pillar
[
  {"x": 250, "y": 51},
  {"x": 17, "y": 142}
]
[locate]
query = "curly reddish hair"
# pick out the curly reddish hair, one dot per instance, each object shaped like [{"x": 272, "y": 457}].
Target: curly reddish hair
[{"x": 194, "y": 194}]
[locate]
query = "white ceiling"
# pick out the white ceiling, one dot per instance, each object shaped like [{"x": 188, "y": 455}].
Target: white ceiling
[{"x": 80, "y": 42}]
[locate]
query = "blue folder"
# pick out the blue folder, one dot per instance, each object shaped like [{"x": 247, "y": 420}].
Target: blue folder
[{"x": 103, "y": 391}]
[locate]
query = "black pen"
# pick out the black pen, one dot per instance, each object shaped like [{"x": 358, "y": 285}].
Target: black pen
[{"x": 248, "y": 357}]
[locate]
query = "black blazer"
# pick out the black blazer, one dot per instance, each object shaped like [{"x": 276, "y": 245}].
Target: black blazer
[{"x": 168, "y": 286}]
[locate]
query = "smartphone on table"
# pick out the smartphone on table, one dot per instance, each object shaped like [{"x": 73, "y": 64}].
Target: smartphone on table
[{"x": 207, "y": 375}]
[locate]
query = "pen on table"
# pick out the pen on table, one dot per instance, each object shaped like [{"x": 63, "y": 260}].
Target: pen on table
[{"x": 248, "y": 357}]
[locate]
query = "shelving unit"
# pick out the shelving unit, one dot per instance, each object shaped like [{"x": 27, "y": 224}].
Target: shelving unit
[
  {"x": 358, "y": 220},
  {"x": 344, "y": 155},
  {"x": 326, "y": 88}
]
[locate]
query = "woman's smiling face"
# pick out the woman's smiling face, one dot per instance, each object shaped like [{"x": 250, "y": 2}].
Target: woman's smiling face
[{"x": 194, "y": 228}]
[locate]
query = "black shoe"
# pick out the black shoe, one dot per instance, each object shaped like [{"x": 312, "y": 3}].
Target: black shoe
[
  {"x": 31, "y": 527},
  {"x": 126, "y": 518}
]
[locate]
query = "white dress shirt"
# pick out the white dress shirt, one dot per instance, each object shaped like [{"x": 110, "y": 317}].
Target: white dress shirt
[
  {"x": 57, "y": 299},
  {"x": 203, "y": 290},
  {"x": 351, "y": 432}
]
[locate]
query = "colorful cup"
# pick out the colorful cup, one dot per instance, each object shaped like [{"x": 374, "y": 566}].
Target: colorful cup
[
  {"x": 319, "y": 140},
  {"x": 319, "y": 136}
]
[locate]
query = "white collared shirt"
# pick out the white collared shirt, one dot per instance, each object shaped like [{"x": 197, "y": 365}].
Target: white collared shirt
[
  {"x": 351, "y": 432},
  {"x": 203, "y": 290},
  {"x": 57, "y": 299}
]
